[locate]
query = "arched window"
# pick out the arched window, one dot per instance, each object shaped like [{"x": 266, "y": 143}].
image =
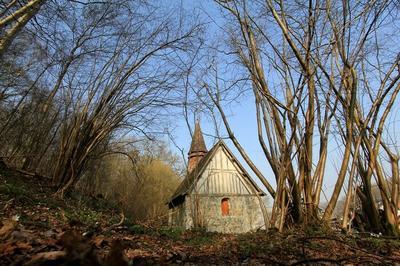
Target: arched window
[{"x": 225, "y": 206}]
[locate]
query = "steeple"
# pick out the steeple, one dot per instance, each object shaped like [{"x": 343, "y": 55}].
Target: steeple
[{"x": 197, "y": 149}]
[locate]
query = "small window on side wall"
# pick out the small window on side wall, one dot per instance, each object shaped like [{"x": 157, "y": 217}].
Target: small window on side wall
[{"x": 225, "y": 206}]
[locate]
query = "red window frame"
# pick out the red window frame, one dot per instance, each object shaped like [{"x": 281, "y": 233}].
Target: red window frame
[{"x": 225, "y": 207}]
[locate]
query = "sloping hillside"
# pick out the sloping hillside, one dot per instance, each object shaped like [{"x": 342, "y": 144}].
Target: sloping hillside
[{"x": 39, "y": 229}]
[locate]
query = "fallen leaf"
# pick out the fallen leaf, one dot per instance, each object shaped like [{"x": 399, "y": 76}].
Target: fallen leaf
[
  {"x": 23, "y": 245},
  {"x": 10, "y": 247},
  {"x": 116, "y": 257},
  {"x": 98, "y": 241},
  {"x": 7, "y": 228},
  {"x": 78, "y": 249},
  {"x": 71, "y": 241},
  {"x": 132, "y": 253},
  {"x": 46, "y": 256},
  {"x": 128, "y": 238}
]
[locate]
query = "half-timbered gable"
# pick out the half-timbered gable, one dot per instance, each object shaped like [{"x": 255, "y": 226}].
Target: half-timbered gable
[{"x": 217, "y": 194}]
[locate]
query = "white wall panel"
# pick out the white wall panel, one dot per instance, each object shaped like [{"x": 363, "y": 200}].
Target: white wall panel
[{"x": 222, "y": 177}]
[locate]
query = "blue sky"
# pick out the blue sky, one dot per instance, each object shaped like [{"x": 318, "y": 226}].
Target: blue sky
[{"x": 243, "y": 121}]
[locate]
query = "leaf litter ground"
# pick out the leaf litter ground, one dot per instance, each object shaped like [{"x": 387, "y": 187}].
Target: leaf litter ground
[{"x": 38, "y": 229}]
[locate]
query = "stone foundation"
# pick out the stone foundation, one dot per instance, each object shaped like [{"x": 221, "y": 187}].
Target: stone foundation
[{"x": 245, "y": 213}]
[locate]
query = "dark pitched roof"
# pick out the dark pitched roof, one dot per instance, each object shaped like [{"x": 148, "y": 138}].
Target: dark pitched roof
[
  {"x": 198, "y": 144},
  {"x": 191, "y": 179}
]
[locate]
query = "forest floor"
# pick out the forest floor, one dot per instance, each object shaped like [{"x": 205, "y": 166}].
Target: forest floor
[{"x": 38, "y": 229}]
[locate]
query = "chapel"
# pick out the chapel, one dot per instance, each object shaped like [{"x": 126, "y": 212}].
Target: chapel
[{"x": 217, "y": 193}]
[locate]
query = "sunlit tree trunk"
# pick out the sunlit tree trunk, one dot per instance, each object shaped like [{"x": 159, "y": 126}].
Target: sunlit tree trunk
[{"x": 16, "y": 21}]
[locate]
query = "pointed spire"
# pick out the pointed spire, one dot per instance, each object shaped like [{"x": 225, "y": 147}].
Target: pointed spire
[
  {"x": 198, "y": 148},
  {"x": 198, "y": 144}
]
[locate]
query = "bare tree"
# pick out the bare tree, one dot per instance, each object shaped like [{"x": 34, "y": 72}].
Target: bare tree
[
  {"x": 122, "y": 90},
  {"x": 109, "y": 70},
  {"x": 308, "y": 77},
  {"x": 13, "y": 18}
]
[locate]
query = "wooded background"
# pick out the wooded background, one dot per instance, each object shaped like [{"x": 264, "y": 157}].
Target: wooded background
[{"x": 83, "y": 84}]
